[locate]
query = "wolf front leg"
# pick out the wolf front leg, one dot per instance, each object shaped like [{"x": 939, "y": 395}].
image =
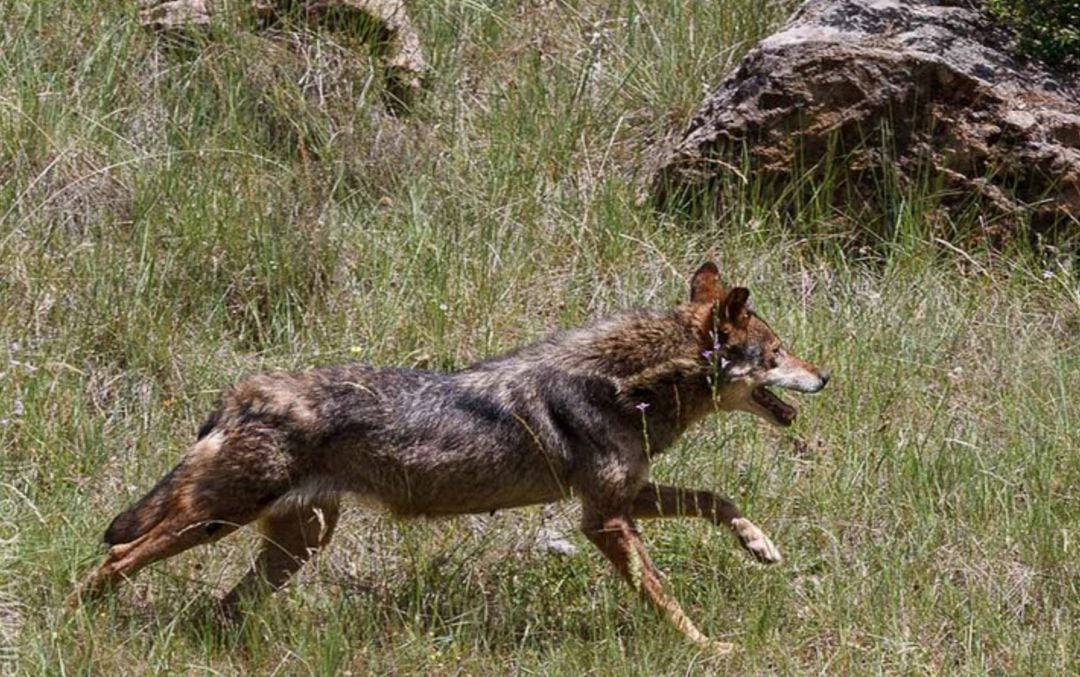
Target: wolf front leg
[
  {"x": 618, "y": 539},
  {"x": 659, "y": 501}
]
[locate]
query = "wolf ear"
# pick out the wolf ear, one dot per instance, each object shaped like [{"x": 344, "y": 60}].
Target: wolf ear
[
  {"x": 705, "y": 286},
  {"x": 735, "y": 304}
]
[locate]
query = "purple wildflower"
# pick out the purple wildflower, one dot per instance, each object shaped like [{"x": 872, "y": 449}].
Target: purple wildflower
[{"x": 641, "y": 406}]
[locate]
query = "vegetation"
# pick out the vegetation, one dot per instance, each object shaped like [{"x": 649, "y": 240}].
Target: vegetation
[
  {"x": 1048, "y": 29},
  {"x": 174, "y": 216}
]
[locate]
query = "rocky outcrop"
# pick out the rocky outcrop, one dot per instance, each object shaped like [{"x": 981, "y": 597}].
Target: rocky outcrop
[
  {"x": 400, "y": 42},
  {"x": 915, "y": 84},
  {"x": 385, "y": 23}
]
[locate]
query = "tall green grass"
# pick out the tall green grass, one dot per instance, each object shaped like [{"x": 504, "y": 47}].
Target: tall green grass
[{"x": 175, "y": 216}]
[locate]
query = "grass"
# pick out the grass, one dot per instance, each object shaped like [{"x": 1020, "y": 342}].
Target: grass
[{"x": 173, "y": 217}]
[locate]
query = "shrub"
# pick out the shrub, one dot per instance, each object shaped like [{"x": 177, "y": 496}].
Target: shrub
[{"x": 1048, "y": 29}]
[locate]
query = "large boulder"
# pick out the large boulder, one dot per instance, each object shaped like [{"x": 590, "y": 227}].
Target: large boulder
[{"x": 916, "y": 84}]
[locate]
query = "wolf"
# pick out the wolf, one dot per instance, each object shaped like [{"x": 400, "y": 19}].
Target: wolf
[{"x": 581, "y": 413}]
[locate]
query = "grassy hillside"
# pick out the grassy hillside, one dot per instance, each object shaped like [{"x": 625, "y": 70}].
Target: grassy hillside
[{"x": 175, "y": 216}]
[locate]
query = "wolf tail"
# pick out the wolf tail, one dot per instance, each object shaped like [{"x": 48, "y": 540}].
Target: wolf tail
[{"x": 144, "y": 515}]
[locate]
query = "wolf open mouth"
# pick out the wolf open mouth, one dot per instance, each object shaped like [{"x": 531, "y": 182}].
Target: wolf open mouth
[{"x": 783, "y": 412}]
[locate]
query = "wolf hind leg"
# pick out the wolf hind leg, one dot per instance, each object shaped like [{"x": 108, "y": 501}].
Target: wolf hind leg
[
  {"x": 617, "y": 537},
  {"x": 292, "y": 533},
  {"x": 181, "y": 529},
  {"x": 659, "y": 501},
  {"x": 218, "y": 487}
]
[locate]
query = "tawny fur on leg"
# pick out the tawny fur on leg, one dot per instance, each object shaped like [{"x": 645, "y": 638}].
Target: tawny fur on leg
[
  {"x": 171, "y": 536},
  {"x": 291, "y": 536},
  {"x": 660, "y": 501},
  {"x": 617, "y": 538}
]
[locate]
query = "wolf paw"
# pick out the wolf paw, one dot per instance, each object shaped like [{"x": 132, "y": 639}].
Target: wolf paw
[{"x": 755, "y": 541}]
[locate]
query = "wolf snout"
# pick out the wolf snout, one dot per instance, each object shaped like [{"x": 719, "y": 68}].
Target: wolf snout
[
  {"x": 823, "y": 374},
  {"x": 818, "y": 383},
  {"x": 812, "y": 380}
]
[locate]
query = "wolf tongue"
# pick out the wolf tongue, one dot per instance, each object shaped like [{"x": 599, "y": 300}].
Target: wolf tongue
[{"x": 782, "y": 409}]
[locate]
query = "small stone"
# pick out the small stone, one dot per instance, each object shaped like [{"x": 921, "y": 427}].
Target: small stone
[
  {"x": 173, "y": 15},
  {"x": 548, "y": 540}
]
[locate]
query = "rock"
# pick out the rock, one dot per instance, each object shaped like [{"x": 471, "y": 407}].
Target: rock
[
  {"x": 551, "y": 537},
  {"x": 173, "y": 15},
  {"x": 390, "y": 21},
  {"x": 938, "y": 75},
  {"x": 386, "y": 21}
]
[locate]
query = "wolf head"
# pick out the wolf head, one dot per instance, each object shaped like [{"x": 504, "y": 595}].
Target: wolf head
[{"x": 747, "y": 356}]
